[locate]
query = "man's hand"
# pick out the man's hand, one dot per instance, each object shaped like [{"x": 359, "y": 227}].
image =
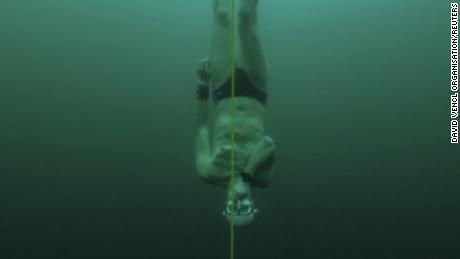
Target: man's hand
[
  {"x": 261, "y": 153},
  {"x": 204, "y": 74},
  {"x": 222, "y": 158},
  {"x": 204, "y": 70}
]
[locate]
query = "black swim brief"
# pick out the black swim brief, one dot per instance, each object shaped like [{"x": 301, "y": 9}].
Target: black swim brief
[{"x": 244, "y": 87}]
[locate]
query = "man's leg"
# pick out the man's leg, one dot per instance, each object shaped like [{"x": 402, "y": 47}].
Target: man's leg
[
  {"x": 221, "y": 59},
  {"x": 252, "y": 58}
]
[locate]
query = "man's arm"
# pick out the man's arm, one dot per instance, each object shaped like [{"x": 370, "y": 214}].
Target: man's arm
[
  {"x": 263, "y": 152},
  {"x": 203, "y": 152},
  {"x": 204, "y": 159},
  {"x": 207, "y": 170},
  {"x": 203, "y": 148}
]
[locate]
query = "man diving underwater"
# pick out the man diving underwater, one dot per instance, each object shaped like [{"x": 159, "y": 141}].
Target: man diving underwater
[{"x": 253, "y": 151}]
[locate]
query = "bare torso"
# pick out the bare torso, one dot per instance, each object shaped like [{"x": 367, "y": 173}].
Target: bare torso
[{"x": 245, "y": 118}]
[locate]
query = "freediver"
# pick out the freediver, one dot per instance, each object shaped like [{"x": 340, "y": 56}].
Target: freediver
[{"x": 253, "y": 150}]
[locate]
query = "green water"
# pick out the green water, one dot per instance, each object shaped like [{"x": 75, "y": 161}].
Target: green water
[{"x": 97, "y": 132}]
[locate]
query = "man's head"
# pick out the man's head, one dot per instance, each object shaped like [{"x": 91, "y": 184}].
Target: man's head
[
  {"x": 241, "y": 212},
  {"x": 240, "y": 208}
]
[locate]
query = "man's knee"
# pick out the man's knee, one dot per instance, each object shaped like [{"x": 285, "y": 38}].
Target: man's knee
[{"x": 247, "y": 12}]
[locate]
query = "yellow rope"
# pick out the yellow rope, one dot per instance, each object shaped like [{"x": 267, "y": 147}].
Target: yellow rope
[{"x": 232, "y": 109}]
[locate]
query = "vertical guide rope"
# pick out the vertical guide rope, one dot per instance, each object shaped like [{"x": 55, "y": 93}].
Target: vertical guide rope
[
  {"x": 230, "y": 193},
  {"x": 233, "y": 108}
]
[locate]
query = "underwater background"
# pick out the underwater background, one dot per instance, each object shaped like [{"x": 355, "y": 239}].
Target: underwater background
[{"x": 97, "y": 116}]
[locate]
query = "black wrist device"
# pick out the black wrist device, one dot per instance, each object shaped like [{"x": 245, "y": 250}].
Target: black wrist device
[{"x": 202, "y": 93}]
